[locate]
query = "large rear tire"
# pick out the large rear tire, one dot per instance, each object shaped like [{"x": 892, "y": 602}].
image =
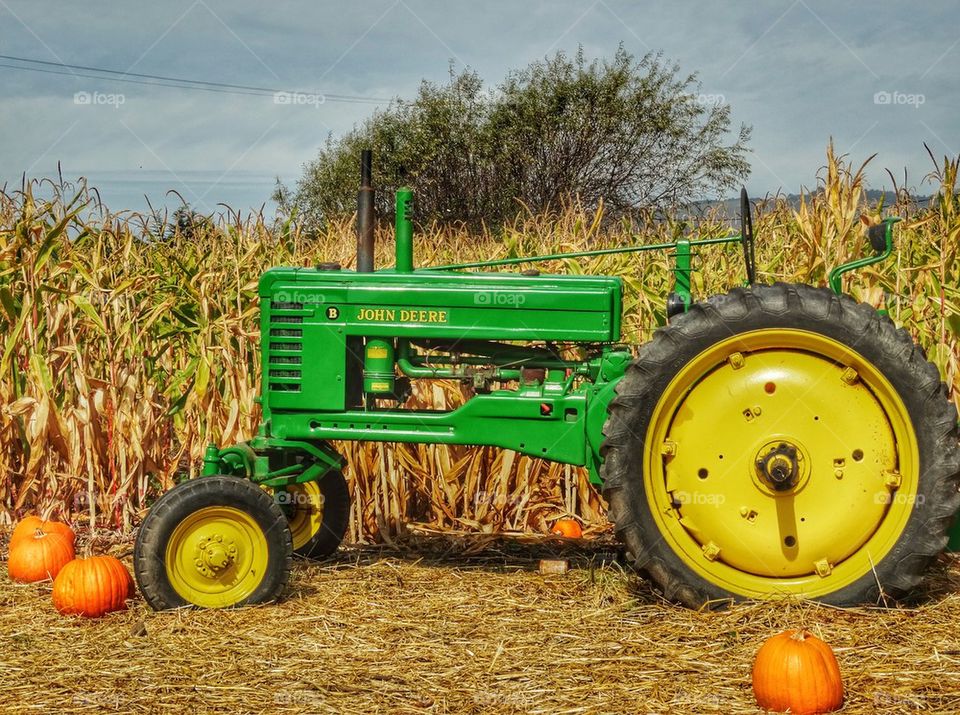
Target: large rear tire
[{"x": 782, "y": 440}]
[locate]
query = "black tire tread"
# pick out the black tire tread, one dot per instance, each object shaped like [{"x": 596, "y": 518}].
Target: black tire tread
[{"x": 934, "y": 417}]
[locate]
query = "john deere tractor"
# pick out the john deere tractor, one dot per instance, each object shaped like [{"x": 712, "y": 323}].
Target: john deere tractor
[{"x": 775, "y": 440}]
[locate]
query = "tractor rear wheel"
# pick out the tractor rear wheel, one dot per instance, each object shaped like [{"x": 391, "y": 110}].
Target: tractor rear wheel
[
  {"x": 318, "y": 513},
  {"x": 213, "y": 542},
  {"x": 782, "y": 440}
]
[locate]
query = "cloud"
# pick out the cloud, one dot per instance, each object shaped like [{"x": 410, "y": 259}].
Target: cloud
[{"x": 798, "y": 71}]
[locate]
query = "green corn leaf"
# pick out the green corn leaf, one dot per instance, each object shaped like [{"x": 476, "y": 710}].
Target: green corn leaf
[
  {"x": 87, "y": 307},
  {"x": 182, "y": 376},
  {"x": 8, "y": 303},
  {"x": 953, "y": 322},
  {"x": 203, "y": 377},
  {"x": 50, "y": 242},
  {"x": 40, "y": 367},
  {"x": 12, "y": 339}
]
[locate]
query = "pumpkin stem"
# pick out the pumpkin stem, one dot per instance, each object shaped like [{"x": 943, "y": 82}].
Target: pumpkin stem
[{"x": 800, "y": 635}]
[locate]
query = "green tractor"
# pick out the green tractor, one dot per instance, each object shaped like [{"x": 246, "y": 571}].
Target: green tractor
[{"x": 775, "y": 440}]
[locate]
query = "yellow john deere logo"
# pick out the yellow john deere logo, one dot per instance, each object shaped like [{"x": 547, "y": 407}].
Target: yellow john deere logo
[{"x": 404, "y": 315}]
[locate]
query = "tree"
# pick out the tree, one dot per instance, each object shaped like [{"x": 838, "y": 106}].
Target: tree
[{"x": 631, "y": 133}]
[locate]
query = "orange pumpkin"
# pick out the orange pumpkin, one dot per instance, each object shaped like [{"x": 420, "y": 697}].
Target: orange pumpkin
[
  {"x": 92, "y": 587},
  {"x": 39, "y": 556},
  {"x": 795, "y": 670},
  {"x": 29, "y": 524},
  {"x": 569, "y": 528}
]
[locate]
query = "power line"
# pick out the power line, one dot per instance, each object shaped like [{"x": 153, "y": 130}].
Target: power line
[
  {"x": 73, "y": 70},
  {"x": 127, "y": 81}
]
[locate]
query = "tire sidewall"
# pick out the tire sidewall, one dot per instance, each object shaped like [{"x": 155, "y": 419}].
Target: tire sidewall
[
  {"x": 184, "y": 499},
  {"x": 853, "y": 325},
  {"x": 336, "y": 517}
]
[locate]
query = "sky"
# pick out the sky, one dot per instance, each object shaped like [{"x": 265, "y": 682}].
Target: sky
[{"x": 877, "y": 77}]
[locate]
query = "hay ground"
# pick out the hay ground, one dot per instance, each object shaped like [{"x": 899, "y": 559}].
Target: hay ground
[{"x": 461, "y": 626}]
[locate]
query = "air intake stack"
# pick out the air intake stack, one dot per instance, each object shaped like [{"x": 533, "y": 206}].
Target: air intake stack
[{"x": 365, "y": 214}]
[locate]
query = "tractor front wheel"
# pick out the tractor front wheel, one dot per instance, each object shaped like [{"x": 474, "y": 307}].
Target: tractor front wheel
[
  {"x": 782, "y": 440},
  {"x": 318, "y": 513},
  {"x": 213, "y": 542}
]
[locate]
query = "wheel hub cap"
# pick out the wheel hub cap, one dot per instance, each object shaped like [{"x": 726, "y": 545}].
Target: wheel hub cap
[
  {"x": 779, "y": 466},
  {"x": 214, "y": 554}
]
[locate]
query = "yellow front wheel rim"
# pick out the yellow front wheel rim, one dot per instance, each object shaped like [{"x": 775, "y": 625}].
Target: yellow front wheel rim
[
  {"x": 780, "y": 461},
  {"x": 305, "y": 504},
  {"x": 216, "y": 557}
]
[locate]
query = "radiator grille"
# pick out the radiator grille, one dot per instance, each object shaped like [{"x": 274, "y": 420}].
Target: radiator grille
[{"x": 284, "y": 379}]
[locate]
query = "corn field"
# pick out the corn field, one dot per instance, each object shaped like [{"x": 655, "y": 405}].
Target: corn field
[{"x": 127, "y": 346}]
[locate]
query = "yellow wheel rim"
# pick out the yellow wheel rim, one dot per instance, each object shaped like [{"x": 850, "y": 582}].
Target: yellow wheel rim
[
  {"x": 216, "y": 557},
  {"x": 780, "y": 462},
  {"x": 305, "y": 503}
]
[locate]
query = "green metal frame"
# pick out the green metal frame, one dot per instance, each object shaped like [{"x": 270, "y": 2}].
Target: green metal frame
[
  {"x": 559, "y": 418},
  {"x": 836, "y": 275},
  {"x": 716, "y": 241},
  {"x": 253, "y": 460},
  {"x": 682, "y": 270}
]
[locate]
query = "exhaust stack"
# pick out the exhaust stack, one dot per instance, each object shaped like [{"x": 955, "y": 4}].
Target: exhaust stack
[{"x": 365, "y": 214}]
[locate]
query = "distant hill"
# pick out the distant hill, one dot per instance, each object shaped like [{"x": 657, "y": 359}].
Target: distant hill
[{"x": 731, "y": 207}]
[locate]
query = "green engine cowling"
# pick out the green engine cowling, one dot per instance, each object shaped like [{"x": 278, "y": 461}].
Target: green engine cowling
[{"x": 312, "y": 319}]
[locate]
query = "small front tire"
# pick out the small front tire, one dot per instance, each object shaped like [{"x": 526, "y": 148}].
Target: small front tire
[
  {"x": 213, "y": 542},
  {"x": 318, "y": 513}
]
